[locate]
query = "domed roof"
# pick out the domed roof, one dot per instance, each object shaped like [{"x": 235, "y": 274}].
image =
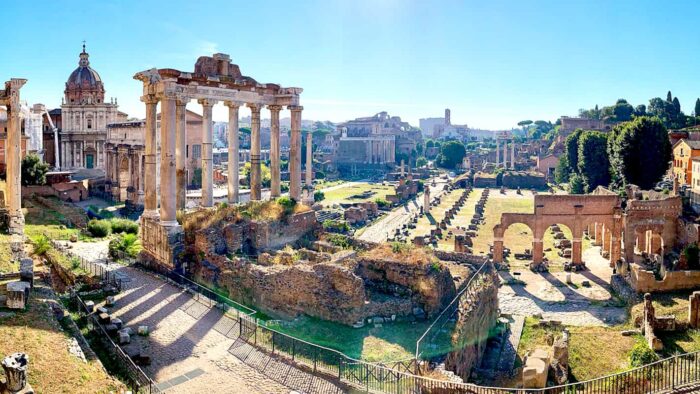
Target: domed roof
[{"x": 84, "y": 74}]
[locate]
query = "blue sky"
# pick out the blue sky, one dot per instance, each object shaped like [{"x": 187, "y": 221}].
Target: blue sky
[{"x": 492, "y": 63}]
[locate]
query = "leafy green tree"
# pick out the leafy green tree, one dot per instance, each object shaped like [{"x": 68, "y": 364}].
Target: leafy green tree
[
  {"x": 196, "y": 178},
  {"x": 264, "y": 172},
  {"x": 451, "y": 154},
  {"x": 421, "y": 161},
  {"x": 33, "y": 170},
  {"x": 524, "y": 123},
  {"x": 697, "y": 107},
  {"x": 562, "y": 170},
  {"x": 593, "y": 164},
  {"x": 669, "y": 97},
  {"x": 639, "y": 152},
  {"x": 571, "y": 146},
  {"x": 622, "y": 111},
  {"x": 640, "y": 110},
  {"x": 575, "y": 184}
]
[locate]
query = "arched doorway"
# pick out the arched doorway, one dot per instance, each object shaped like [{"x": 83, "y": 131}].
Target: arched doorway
[
  {"x": 517, "y": 243},
  {"x": 558, "y": 242}
]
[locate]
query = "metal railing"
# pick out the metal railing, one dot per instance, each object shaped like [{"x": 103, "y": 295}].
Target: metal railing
[
  {"x": 138, "y": 381},
  {"x": 447, "y": 314},
  {"x": 94, "y": 269},
  {"x": 209, "y": 297}
]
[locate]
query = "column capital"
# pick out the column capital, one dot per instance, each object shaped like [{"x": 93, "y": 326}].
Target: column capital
[
  {"x": 150, "y": 99},
  {"x": 275, "y": 107},
  {"x": 254, "y": 107},
  {"x": 233, "y": 104},
  {"x": 295, "y": 108},
  {"x": 207, "y": 102},
  {"x": 182, "y": 101}
]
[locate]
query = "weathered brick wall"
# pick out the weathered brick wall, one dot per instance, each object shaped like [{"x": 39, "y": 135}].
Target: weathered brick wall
[
  {"x": 687, "y": 232},
  {"x": 477, "y": 315},
  {"x": 643, "y": 281}
]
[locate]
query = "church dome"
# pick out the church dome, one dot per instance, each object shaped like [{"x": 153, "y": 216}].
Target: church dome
[{"x": 84, "y": 86}]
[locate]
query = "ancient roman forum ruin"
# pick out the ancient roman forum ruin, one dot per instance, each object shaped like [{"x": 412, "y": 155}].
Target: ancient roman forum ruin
[
  {"x": 504, "y": 138},
  {"x": 214, "y": 79},
  {"x": 13, "y": 195}
]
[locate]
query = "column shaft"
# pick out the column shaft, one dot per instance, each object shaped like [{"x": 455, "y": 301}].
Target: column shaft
[
  {"x": 255, "y": 173},
  {"x": 180, "y": 154},
  {"x": 309, "y": 159},
  {"x": 13, "y": 154},
  {"x": 168, "y": 196},
  {"x": 150, "y": 176},
  {"x": 207, "y": 153},
  {"x": 233, "y": 169},
  {"x": 275, "y": 188},
  {"x": 295, "y": 154}
]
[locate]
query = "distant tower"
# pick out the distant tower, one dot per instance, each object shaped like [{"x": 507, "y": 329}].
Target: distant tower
[{"x": 447, "y": 117}]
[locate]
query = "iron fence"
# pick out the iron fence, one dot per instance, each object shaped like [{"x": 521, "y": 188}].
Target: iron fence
[
  {"x": 138, "y": 381},
  {"x": 448, "y": 314},
  {"x": 93, "y": 268}
]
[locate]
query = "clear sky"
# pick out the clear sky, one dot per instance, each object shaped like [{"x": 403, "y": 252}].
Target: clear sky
[{"x": 493, "y": 63}]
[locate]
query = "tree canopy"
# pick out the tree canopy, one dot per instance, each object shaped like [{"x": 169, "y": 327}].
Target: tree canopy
[
  {"x": 593, "y": 164},
  {"x": 639, "y": 152},
  {"x": 33, "y": 170},
  {"x": 451, "y": 154}
]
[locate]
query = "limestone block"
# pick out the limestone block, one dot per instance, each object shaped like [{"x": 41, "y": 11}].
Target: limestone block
[
  {"x": 90, "y": 306},
  {"x": 534, "y": 374},
  {"x": 142, "y": 330},
  {"x": 124, "y": 337},
  {"x": 109, "y": 301},
  {"x": 117, "y": 322},
  {"x": 102, "y": 309},
  {"x": 17, "y": 294},
  {"x": 105, "y": 317}
]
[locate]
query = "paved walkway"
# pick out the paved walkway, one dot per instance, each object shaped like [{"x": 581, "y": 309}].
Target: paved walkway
[
  {"x": 191, "y": 346},
  {"x": 549, "y": 295}
]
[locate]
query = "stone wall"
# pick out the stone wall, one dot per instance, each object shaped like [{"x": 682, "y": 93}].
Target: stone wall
[
  {"x": 687, "y": 232},
  {"x": 644, "y": 281},
  {"x": 525, "y": 180},
  {"x": 161, "y": 245},
  {"x": 477, "y": 315}
]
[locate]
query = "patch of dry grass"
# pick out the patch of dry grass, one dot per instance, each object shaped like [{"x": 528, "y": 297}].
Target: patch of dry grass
[
  {"x": 406, "y": 253},
  {"x": 52, "y": 369}
]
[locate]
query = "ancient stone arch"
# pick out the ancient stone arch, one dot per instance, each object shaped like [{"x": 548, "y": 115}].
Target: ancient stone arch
[{"x": 576, "y": 212}]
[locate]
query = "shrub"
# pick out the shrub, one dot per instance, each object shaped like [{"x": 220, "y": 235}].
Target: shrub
[
  {"x": 120, "y": 226},
  {"x": 127, "y": 244},
  {"x": 41, "y": 245},
  {"x": 287, "y": 203},
  {"x": 381, "y": 203},
  {"x": 339, "y": 241},
  {"x": 692, "y": 256},
  {"x": 99, "y": 228},
  {"x": 319, "y": 196},
  {"x": 336, "y": 226},
  {"x": 642, "y": 354}
]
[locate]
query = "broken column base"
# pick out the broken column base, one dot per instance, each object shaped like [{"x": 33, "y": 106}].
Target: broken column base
[{"x": 15, "y": 367}]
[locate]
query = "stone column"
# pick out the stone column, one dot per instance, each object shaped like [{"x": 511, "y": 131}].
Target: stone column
[
  {"x": 537, "y": 251},
  {"x": 207, "y": 153},
  {"x": 180, "y": 152},
  {"x": 426, "y": 199},
  {"x": 498, "y": 250},
  {"x": 497, "y": 152},
  {"x": 505, "y": 154},
  {"x": 512, "y": 155},
  {"x": 149, "y": 158},
  {"x": 275, "y": 188},
  {"x": 130, "y": 158},
  {"x": 309, "y": 159},
  {"x": 139, "y": 185},
  {"x": 295, "y": 154},
  {"x": 168, "y": 193},
  {"x": 233, "y": 169},
  {"x": 255, "y": 173},
  {"x": 597, "y": 236},
  {"x": 13, "y": 157},
  {"x": 576, "y": 251}
]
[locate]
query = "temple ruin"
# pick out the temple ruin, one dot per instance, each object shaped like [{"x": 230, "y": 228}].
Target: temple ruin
[
  {"x": 13, "y": 194},
  {"x": 214, "y": 79}
]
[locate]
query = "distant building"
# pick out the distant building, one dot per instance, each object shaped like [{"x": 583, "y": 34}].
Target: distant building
[
  {"x": 684, "y": 151},
  {"x": 569, "y": 124},
  {"x": 547, "y": 164},
  {"x": 443, "y": 128},
  {"x": 84, "y": 118}
]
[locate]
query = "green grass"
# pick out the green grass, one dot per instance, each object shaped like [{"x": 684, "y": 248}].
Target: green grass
[
  {"x": 393, "y": 341},
  {"x": 7, "y": 264},
  {"x": 343, "y": 194}
]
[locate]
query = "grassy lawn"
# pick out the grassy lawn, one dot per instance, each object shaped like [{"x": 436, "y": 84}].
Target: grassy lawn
[
  {"x": 588, "y": 357},
  {"x": 6, "y": 262},
  {"x": 391, "y": 342},
  {"x": 345, "y": 194},
  {"x": 427, "y": 222},
  {"x": 52, "y": 369}
]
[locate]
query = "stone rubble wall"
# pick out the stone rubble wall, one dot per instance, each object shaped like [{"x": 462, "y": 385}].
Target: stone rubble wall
[
  {"x": 477, "y": 315},
  {"x": 644, "y": 281}
]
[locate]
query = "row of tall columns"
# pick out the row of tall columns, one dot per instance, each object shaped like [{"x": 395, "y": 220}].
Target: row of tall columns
[
  {"x": 505, "y": 154},
  {"x": 72, "y": 153},
  {"x": 380, "y": 152}
]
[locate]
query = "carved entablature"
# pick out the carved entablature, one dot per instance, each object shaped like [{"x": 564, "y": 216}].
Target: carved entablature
[
  {"x": 214, "y": 77},
  {"x": 10, "y": 96}
]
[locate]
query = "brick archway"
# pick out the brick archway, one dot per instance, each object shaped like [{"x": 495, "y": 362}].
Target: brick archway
[{"x": 576, "y": 212}]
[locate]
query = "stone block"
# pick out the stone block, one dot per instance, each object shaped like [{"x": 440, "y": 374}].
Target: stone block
[
  {"x": 102, "y": 309},
  {"x": 105, "y": 317},
  {"x": 90, "y": 306},
  {"x": 142, "y": 330},
  {"x": 17, "y": 294},
  {"x": 124, "y": 337},
  {"x": 109, "y": 301},
  {"x": 117, "y": 322},
  {"x": 535, "y": 374}
]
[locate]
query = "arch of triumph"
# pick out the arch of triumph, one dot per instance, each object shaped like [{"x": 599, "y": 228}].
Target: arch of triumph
[{"x": 215, "y": 79}]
